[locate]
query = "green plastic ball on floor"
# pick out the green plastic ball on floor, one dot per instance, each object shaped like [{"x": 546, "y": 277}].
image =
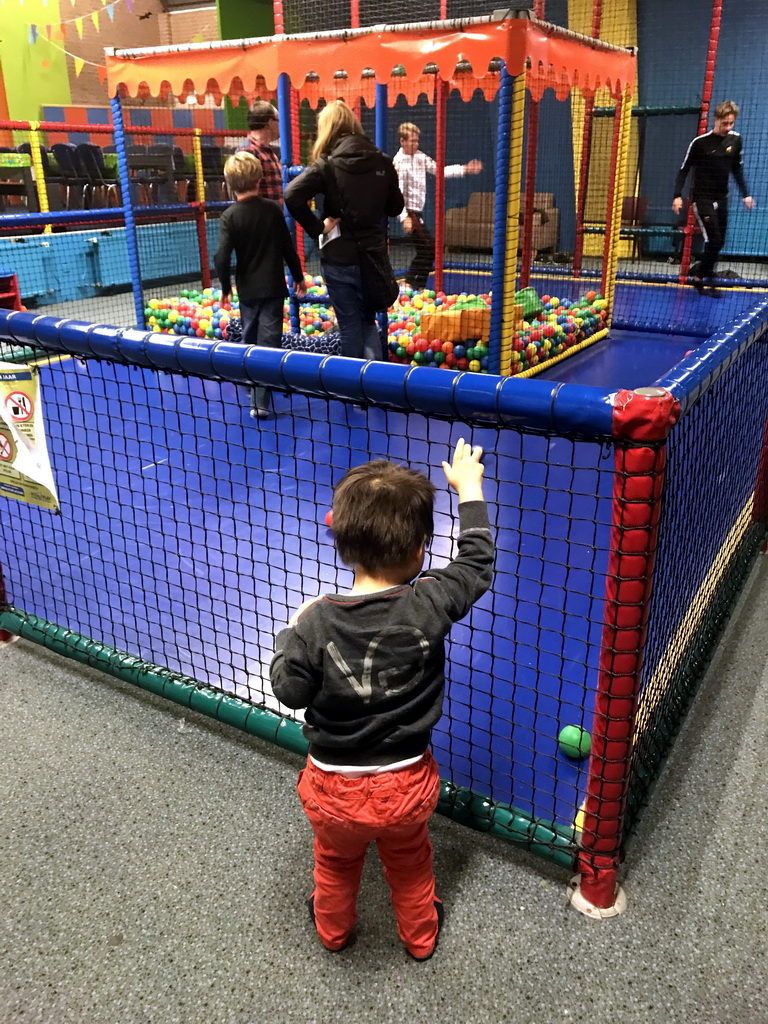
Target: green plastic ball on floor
[{"x": 574, "y": 741}]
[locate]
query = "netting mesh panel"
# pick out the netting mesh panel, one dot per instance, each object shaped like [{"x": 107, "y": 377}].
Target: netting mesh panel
[
  {"x": 316, "y": 16},
  {"x": 668, "y": 98},
  {"x": 555, "y": 194},
  {"x": 708, "y": 538},
  {"x": 470, "y": 135},
  {"x": 189, "y": 532},
  {"x": 82, "y": 273}
]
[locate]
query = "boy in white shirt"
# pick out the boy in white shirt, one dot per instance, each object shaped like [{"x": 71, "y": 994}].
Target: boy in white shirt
[{"x": 412, "y": 168}]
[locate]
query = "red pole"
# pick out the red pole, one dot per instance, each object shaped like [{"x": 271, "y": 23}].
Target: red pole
[
  {"x": 277, "y": 9},
  {"x": 531, "y": 156},
  {"x": 539, "y": 9},
  {"x": 202, "y": 244},
  {"x": 706, "y": 99},
  {"x": 296, "y": 158},
  {"x": 581, "y": 204},
  {"x": 441, "y": 109},
  {"x": 642, "y": 420},
  {"x": 597, "y": 17},
  {"x": 354, "y": 13},
  {"x": 586, "y": 150},
  {"x": 760, "y": 501}
]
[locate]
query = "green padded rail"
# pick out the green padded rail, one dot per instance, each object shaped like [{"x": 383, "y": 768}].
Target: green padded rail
[{"x": 553, "y": 842}]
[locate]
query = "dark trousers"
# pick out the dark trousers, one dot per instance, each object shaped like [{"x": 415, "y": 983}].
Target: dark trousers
[
  {"x": 712, "y": 218},
  {"x": 262, "y": 325},
  {"x": 360, "y": 338},
  {"x": 424, "y": 257}
]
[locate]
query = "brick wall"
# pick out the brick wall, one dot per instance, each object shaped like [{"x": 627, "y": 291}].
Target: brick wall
[
  {"x": 185, "y": 26},
  {"x": 148, "y": 25}
]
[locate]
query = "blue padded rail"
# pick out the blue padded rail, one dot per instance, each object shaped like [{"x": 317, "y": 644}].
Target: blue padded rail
[
  {"x": 696, "y": 373},
  {"x": 527, "y": 404}
]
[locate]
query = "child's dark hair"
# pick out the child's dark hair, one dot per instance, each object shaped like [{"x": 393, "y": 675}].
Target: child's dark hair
[{"x": 382, "y": 514}]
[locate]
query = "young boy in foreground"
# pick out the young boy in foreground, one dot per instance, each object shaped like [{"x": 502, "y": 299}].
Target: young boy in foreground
[{"x": 368, "y": 666}]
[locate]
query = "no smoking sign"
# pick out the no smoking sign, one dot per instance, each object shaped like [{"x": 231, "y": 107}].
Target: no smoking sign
[
  {"x": 19, "y": 406},
  {"x": 6, "y": 448}
]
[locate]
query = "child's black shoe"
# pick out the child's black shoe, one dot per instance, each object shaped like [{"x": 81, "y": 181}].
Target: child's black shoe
[
  {"x": 440, "y": 916},
  {"x": 350, "y": 937}
]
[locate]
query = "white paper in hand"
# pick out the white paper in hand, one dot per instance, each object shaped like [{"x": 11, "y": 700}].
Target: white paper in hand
[{"x": 329, "y": 237}]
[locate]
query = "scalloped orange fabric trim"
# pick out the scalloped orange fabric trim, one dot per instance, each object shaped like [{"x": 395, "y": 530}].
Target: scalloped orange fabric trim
[{"x": 252, "y": 71}]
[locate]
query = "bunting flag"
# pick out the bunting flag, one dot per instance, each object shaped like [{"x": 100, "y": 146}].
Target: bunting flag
[
  {"x": 101, "y": 71},
  {"x": 48, "y": 31},
  {"x": 79, "y": 64},
  {"x": 95, "y": 19},
  {"x": 111, "y": 12},
  {"x": 32, "y": 34},
  {"x": 63, "y": 30},
  {"x": 130, "y": 5},
  {"x": 79, "y": 26}
]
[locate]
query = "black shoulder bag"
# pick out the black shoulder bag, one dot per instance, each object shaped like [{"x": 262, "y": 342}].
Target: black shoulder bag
[{"x": 380, "y": 289}]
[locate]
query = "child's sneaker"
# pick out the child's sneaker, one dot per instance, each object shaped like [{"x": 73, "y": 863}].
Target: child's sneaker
[{"x": 440, "y": 916}]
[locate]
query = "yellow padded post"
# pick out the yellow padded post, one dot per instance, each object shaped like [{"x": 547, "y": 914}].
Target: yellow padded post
[
  {"x": 515, "y": 179},
  {"x": 197, "y": 149},
  {"x": 37, "y": 166}
]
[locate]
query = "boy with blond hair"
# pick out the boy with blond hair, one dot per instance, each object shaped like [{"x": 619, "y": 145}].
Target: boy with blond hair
[
  {"x": 255, "y": 230},
  {"x": 368, "y": 666}
]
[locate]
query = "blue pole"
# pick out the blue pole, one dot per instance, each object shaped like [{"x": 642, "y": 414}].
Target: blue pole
[
  {"x": 500, "y": 253},
  {"x": 382, "y": 110},
  {"x": 131, "y": 238},
  {"x": 286, "y": 149}
]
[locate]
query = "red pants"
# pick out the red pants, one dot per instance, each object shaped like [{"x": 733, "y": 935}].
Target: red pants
[{"x": 346, "y": 815}]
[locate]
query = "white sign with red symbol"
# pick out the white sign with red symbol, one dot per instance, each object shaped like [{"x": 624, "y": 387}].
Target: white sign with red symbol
[
  {"x": 25, "y": 469},
  {"x": 6, "y": 448},
  {"x": 20, "y": 407}
]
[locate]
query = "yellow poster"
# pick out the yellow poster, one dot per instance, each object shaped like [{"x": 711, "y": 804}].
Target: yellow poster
[{"x": 25, "y": 470}]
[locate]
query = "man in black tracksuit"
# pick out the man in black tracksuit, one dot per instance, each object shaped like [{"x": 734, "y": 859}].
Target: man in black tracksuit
[{"x": 713, "y": 157}]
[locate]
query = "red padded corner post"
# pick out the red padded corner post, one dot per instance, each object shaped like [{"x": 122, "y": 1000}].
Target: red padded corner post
[
  {"x": 760, "y": 503},
  {"x": 644, "y": 418}
]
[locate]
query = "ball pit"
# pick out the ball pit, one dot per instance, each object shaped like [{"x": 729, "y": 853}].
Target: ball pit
[{"x": 558, "y": 326}]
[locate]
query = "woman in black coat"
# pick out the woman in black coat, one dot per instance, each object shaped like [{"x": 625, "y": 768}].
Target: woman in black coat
[{"x": 360, "y": 189}]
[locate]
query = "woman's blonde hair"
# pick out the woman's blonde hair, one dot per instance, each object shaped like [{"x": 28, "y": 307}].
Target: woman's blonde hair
[
  {"x": 333, "y": 121},
  {"x": 242, "y": 172}
]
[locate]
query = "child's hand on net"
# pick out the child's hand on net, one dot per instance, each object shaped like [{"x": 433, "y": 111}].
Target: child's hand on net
[{"x": 465, "y": 474}]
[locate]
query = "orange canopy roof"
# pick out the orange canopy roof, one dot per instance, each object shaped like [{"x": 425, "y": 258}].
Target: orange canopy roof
[{"x": 243, "y": 68}]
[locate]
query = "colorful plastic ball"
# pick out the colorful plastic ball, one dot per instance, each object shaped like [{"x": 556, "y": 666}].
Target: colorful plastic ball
[{"x": 574, "y": 742}]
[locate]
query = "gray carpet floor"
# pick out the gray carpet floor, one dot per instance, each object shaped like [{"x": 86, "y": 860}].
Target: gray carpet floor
[{"x": 155, "y": 868}]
